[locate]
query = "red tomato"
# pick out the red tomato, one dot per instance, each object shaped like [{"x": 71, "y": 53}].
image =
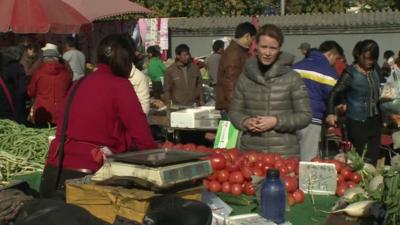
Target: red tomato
[
  {"x": 232, "y": 166},
  {"x": 341, "y": 188},
  {"x": 346, "y": 172},
  {"x": 279, "y": 163},
  {"x": 252, "y": 156},
  {"x": 339, "y": 165},
  {"x": 218, "y": 150},
  {"x": 189, "y": 147},
  {"x": 217, "y": 161},
  {"x": 351, "y": 184},
  {"x": 236, "y": 189},
  {"x": 179, "y": 146},
  {"x": 213, "y": 176},
  {"x": 234, "y": 153},
  {"x": 269, "y": 159},
  {"x": 249, "y": 189},
  {"x": 290, "y": 166},
  {"x": 339, "y": 178},
  {"x": 291, "y": 184},
  {"x": 246, "y": 172},
  {"x": 282, "y": 170},
  {"x": 298, "y": 196},
  {"x": 202, "y": 148},
  {"x": 257, "y": 171},
  {"x": 226, "y": 187},
  {"x": 236, "y": 177},
  {"x": 291, "y": 200},
  {"x": 168, "y": 144},
  {"x": 265, "y": 168},
  {"x": 214, "y": 186},
  {"x": 277, "y": 157},
  {"x": 222, "y": 175},
  {"x": 355, "y": 177},
  {"x": 259, "y": 164}
]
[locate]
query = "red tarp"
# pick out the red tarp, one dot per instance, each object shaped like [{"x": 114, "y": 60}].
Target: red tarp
[
  {"x": 39, "y": 16},
  {"x": 98, "y": 9}
]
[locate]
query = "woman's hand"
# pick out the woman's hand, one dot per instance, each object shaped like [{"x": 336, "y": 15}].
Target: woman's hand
[
  {"x": 265, "y": 123},
  {"x": 250, "y": 124},
  {"x": 331, "y": 119}
]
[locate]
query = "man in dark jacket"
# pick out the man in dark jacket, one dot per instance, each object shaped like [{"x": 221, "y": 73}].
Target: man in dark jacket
[
  {"x": 183, "y": 81},
  {"x": 270, "y": 102},
  {"x": 320, "y": 77},
  {"x": 232, "y": 63}
]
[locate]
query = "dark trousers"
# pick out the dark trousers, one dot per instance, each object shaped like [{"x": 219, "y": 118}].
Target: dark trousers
[
  {"x": 364, "y": 134},
  {"x": 156, "y": 89},
  {"x": 48, "y": 187}
]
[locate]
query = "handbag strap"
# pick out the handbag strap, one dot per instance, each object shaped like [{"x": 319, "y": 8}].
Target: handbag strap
[
  {"x": 64, "y": 129},
  {"x": 8, "y": 95}
]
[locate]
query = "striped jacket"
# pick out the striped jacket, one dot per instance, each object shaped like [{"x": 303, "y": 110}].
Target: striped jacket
[{"x": 320, "y": 78}]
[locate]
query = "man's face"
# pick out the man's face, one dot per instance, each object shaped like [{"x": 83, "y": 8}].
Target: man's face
[
  {"x": 332, "y": 56},
  {"x": 366, "y": 61},
  {"x": 248, "y": 40},
  {"x": 183, "y": 57},
  {"x": 268, "y": 50}
]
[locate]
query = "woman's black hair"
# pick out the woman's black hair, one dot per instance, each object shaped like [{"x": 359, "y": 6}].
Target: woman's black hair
[
  {"x": 116, "y": 51},
  {"x": 366, "y": 46},
  {"x": 154, "y": 50}
]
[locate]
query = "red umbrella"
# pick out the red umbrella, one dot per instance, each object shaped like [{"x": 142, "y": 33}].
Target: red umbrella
[
  {"x": 98, "y": 9},
  {"x": 39, "y": 16}
]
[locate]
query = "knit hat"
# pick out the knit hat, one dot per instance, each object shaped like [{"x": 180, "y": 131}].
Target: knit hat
[
  {"x": 51, "y": 53},
  {"x": 305, "y": 45}
]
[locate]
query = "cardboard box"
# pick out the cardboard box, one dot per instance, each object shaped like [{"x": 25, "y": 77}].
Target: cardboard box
[
  {"x": 199, "y": 117},
  {"x": 106, "y": 202},
  {"x": 162, "y": 177}
]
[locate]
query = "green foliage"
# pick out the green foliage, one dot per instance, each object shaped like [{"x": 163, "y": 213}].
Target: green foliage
[
  {"x": 196, "y": 8},
  {"x": 316, "y": 6}
]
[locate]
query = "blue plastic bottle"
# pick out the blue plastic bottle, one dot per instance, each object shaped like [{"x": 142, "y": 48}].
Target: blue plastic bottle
[{"x": 273, "y": 197}]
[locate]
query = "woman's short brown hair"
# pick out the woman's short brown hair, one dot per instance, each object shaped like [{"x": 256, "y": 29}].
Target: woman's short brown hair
[
  {"x": 272, "y": 31},
  {"x": 115, "y": 51}
]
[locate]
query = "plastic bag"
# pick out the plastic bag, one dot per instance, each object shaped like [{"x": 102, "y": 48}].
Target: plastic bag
[{"x": 390, "y": 95}]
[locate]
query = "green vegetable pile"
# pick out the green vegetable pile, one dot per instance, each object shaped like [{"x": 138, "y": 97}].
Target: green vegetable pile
[
  {"x": 386, "y": 192},
  {"x": 22, "y": 149}
]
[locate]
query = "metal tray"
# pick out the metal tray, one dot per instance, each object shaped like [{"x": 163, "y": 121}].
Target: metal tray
[{"x": 158, "y": 157}]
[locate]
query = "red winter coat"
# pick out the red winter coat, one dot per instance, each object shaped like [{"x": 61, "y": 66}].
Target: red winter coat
[
  {"x": 48, "y": 86},
  {"x": 105, "y": 112}
]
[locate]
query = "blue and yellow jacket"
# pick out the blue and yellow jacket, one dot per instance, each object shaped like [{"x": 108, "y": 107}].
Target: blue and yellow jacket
[{"x": 320, "y": 78}]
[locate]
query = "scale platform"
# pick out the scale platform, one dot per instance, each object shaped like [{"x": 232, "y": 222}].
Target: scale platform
[{"x": 160, "y": 168}]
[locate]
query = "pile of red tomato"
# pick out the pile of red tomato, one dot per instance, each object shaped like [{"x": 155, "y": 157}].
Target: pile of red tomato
[{"x": 233, "y": 171}]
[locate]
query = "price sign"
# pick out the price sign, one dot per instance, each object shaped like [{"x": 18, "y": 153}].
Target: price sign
[{"x": 317, "y": 178}]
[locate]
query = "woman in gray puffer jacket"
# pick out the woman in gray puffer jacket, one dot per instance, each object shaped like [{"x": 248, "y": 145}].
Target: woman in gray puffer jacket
[{"x": 270, "y": 102}]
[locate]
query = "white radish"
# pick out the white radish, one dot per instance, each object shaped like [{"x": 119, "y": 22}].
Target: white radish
[
  {"x": 350, "y": 193},
  {"x": 369, "y": 168},
  {"x": 375, "y": 182},
  {"x": 357, "y": 209}
]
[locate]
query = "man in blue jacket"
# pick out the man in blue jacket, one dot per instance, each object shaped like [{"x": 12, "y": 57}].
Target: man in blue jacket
[{"x": 320, "y": 77}]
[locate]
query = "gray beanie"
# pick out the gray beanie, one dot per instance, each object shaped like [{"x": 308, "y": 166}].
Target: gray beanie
[{"x": 50, "y": 53}]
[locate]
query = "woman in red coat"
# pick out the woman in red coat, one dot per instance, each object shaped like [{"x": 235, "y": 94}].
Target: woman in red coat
[
  {"x": 105, "y": 114},
  {"x": 48, "y": 86}
]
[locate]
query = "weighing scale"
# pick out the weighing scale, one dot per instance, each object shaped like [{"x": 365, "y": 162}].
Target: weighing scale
[{"x": 155, "y": 169}]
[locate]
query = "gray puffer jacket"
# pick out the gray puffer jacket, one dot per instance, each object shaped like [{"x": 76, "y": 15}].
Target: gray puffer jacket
[{"x": 279, "y": 92}]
